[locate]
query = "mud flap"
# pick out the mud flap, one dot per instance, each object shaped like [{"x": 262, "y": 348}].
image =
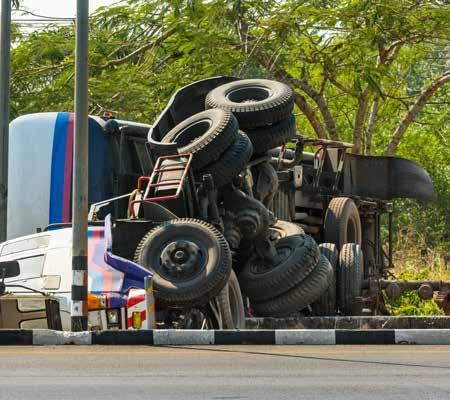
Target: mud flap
[{"x": 386, "y": 178}]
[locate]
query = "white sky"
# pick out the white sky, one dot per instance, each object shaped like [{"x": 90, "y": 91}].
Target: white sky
[{"x": 60, "y": 8}]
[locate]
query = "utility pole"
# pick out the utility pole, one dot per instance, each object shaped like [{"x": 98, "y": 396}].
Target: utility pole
[
  {"x": 79, "y": 310},
  {"x": 5, "y": 55}
]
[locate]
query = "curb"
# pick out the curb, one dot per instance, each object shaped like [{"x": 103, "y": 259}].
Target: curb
[
  {"x": 348, "y": 322},
  {"x": 227, "y": 337}
]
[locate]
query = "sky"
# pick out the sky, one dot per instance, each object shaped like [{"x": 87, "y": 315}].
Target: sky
[{"x": 61, "y": 8}]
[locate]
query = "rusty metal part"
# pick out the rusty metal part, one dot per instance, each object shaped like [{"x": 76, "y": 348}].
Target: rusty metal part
[
  {"x": 265, "y": 182},
  {"x": 442, "y": 299},
  {"x": 282, "y": 163},
  {"x": 425, "y": 291},
  {"x": 393, "y": 291},
  {"x": 373, "y": 297},
  {"x": 246, "y": 218},
  {"x": 325, "y": 142}
]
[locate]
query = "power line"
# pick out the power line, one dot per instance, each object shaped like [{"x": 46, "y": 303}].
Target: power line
[{"x": 47, "y": 17}]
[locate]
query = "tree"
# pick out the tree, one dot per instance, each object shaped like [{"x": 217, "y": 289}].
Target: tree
[
  {"x": 353, "y": 64},
  {"x": 371, "y": 72}
]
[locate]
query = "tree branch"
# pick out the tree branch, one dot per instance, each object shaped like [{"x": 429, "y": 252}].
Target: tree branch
[
  {"x": 339, "y": 85},
  {"x": 414, "y": 110},
  {"x": 301, "y": 103},
  {"x": 252, "y": 50},
  {"x": 140, "y": 50},
  {"x": 360, "y": 117},
  {"x": 304, "y": 85}
]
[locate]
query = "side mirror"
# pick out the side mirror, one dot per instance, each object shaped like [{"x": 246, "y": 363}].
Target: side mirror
[{"x": 9, "y": 269}]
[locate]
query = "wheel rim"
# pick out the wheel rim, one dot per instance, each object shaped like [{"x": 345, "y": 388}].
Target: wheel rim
[
  {"x": 248, "y": 94},
  {"x": 192, "y": 132},
  {"x": 181, "y": 260}
]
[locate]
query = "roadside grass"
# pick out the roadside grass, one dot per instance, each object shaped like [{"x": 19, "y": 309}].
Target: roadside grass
[{"x": 413, "y": 260}]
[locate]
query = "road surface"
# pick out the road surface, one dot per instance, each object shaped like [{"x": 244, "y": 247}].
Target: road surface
[{"x": 225, "y": 372}]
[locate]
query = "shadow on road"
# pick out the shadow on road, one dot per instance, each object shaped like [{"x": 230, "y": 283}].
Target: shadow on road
[{"x": 310, "y": 357}]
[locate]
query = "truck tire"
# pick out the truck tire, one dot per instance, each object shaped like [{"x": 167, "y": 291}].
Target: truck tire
[
  {"x": 282, "y": 229},
  {"x": 349, "y": 277},
  {"x": 271, "y": 136},
  {"x": 300, "y": 296},
  {"x": 231, "y": 162},
  {"x": 342, "y": 223},
  {"x": 205, "y": 135},
  {"x": 297, "y": 256},
  {"x": 281, "y": 205},
  {"x": 231, "y": 304},
  {"x": 190, "y": 261},
  {"x": 254, "y": 102},
  {"x": 326, "y": 305}
]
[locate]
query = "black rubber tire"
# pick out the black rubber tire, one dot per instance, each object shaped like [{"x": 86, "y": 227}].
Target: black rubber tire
[
  {"x": 326, "y": 305},
  {"x": 282, "y": 229},
  {"x": 197, "y": 288},
  {"x": 205, "y": 135},
  {"x": 231, "y": 162},
  {"x": 299, "y": 254},
  {"x": 342, "y": 223},
  {"x": 271, "y": 136},
  {"x": 281, "y": 205},
  {"x": 254, "y": 102},
  {"x": 349, "y": 277},
  {"x": 305, "y": 293},
  {"x": 231, "y": 304}
]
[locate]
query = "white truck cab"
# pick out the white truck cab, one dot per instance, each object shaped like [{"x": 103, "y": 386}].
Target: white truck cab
[{"x": 45, "y": 265}]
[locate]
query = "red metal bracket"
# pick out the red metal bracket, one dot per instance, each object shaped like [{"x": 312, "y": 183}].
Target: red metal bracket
[{"x": 183, "y": 164}]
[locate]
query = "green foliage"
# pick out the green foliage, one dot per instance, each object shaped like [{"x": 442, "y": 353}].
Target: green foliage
[
  {"x": 340, "y": 54},
  {"x": 409, "y": 302}
]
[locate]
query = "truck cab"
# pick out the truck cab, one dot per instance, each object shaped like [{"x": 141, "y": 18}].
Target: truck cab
[{"x": 45, "y": 266}]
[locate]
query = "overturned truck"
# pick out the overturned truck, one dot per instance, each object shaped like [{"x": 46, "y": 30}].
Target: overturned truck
[
  {"x": 302, "y": 229},
  {"x": 219, "y": 200}
]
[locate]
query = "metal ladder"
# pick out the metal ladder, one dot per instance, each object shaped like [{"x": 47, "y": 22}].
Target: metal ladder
[{"x": 182, "y": 163}]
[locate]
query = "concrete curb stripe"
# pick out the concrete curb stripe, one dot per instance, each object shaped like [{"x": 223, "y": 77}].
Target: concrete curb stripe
[
  {"x": 310, "y": 336},
  {"x": 244, "y": 336},
  {"x": 49, "y": 337},
  {"x": 224, "y": 337},
  {"x": 380, "y": 336},
  {"x": 16, "y": 337},
  {"x": 422, "y": 336},
  {"x": 129, "y": 338},
  {"x": 183, "y": 337}
]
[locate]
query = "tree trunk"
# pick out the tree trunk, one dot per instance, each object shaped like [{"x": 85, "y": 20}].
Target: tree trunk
[
  {"x": 310, "y": 114},
  {"x": 321, "y": 103},
  {"x": 283, "y": 76},
  {"x": 359, "y": 121},
  {"x": 371, "y": 124},
  {"x": 414, "y": 110}
]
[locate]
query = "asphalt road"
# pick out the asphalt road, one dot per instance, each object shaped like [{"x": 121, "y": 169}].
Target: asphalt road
[{"x": 225, "y": 372}]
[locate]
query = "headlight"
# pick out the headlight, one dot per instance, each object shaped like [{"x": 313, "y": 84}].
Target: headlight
[{"x": 113, "y": 316}]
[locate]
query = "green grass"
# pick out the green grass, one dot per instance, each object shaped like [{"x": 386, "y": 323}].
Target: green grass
[{"x": 428, "y": 267}]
